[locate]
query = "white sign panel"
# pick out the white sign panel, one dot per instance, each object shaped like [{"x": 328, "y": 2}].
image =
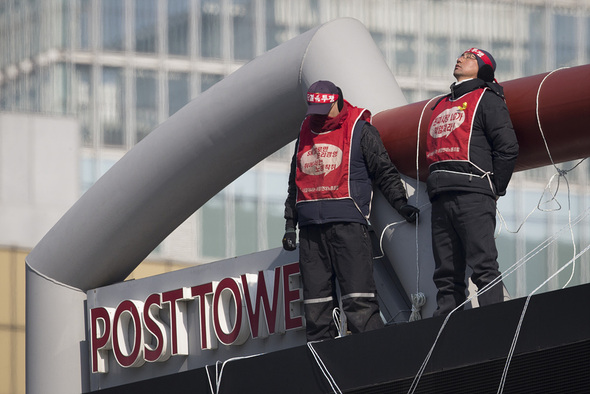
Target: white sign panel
[{"x": 194, "y": 317}]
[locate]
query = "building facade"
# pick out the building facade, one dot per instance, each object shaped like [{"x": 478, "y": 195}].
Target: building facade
[{"x": 121, "y": 67}]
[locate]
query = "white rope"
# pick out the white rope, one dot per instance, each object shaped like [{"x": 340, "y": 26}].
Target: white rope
[
  {"x": 539, "y": 119},
  {"x": 538, "y": 207},
  {"x": 418, "y": 299},
  {"x": 219, "y": 372},
  {"x": 338, "y": 322},
  {"x": 324, "y": 369},
  {"x": 486, "y": 174},
  {"x": 391, "y": 225},
  {"x": 517, "y": 333},
  {"x": 507, "y": 273},
  {"x": 381, "y": 238},
  {"x": 559, "y": 171}
]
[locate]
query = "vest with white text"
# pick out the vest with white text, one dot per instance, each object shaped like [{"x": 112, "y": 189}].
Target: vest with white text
[
  {"x": 323, "y": 160},
  {"x": 451, "y": 124}
]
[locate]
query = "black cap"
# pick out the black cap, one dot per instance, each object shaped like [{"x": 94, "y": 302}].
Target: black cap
[{"x": 320, "y": 96}]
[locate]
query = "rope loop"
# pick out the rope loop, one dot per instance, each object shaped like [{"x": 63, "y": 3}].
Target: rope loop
[{"x": 418, "y": 301}]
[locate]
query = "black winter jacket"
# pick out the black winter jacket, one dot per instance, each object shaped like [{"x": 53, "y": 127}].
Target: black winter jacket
[
  {"x": 493, "y": 147},
  {"x": 381, "y": 170}
]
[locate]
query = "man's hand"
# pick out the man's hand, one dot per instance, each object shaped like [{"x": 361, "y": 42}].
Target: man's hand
[
  {"x": 290, "y": 240},
  {"x": 409, "y": 212}
]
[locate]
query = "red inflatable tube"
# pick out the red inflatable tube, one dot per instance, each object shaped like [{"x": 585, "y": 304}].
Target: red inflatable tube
[{"x": 563, "y": 113}]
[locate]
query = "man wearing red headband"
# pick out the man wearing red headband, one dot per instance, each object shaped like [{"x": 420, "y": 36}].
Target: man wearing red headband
[
  {"x": 338, "y": 158},
  {"x": 471, "y": 151}
]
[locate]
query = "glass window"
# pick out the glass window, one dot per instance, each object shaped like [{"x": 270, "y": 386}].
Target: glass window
[
  {"x": 246, "y": 213},
  {"x": 535, "y": 58},
  {"x": 565, "y": 253},
  {"x": 110, "y": 108},
  {"x": 178, "y": 27},
  {"x": 4, "y": 45},
  {"x": 112, "y": 25},
  {"x": 82, "y": 101},
  {"x": 213, "y": 222},
  {"x": 502, "y": 51},
  {"x": 33, "y": 91},
  {"x": 506, "y": 242},
  {"x": 277, "y": 30},
  {"x": 84, "y": 24},
  {"x": 380, "y": 40},
  {"x": 506, "y": 246},
  {"x": 405, "y": 54},
  {"x": 178, "y": 91},
  {"x": 3, "y": 96},
  {"x": 146, "y": 26},
  {"x": 208, "y": 80},
  {"x": 307, "y": 14},
  {"x": 283, "y": 154},
  {"x": 210, "y": 29},
  {"x": 437, "y": 57},
  {"x": 104, "y": 165},
  {"x": 244, "y": 25},
  {"x": 146, "y": 103},
  {"x": 566, "y": 41},
  {"x": 87, "y": 173},
  {"x": 58, "y": 82},
  {"x": 411, "y": 95},
  {"x": 275, "y": 192},
  {"x": 465, "y": 44}
]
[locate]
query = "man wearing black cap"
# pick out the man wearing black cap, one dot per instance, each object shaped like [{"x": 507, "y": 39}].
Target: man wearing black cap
[
  {"x": 471, "y": 150},
  {"x": 338, "y": 157}
]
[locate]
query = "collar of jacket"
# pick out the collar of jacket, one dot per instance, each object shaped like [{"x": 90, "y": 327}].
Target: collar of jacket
[{"x": 458, "y": 90}]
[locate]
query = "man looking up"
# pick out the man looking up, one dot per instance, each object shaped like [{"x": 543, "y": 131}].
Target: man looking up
[{"x": 471, "y": 151}]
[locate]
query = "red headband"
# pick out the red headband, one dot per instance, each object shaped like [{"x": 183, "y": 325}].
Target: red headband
[{"x": 482, "y": 56}]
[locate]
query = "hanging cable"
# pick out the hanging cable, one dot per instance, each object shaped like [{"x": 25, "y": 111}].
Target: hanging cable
[
  {"x": 538, "y": 207},
  {"x": 418, "y": 299},
  {"x": 381, "y": 238},
  {"x": 507, "y": 273},
  {"x": 559, "y": 171},
  {"x": 517, "y": 333},
  {"x": 324, "y": 369},
  {"x": 219, "y": 372}
]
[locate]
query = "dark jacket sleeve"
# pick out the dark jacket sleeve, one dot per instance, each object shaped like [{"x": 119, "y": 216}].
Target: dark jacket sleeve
[
  {"x": 290, "y": 209},
  {"x": 502, "y": 139},
  {"x": 382, "y": 171}
]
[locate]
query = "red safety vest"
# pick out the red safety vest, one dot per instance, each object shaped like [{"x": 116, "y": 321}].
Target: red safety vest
[
  {"x": 323, "y": 159},
  {"x": 451, "y": 124}
]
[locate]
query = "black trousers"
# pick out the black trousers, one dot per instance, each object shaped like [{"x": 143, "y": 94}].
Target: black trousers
[
  {"x": 463, "y": 226},
  {"x": 340, "y": 251}
]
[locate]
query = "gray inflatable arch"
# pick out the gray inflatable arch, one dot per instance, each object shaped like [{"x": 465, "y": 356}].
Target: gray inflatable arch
[{"x": 171, "y": 173}]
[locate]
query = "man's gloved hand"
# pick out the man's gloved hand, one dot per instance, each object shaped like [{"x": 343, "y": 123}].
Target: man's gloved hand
[
  {"x": 290, "y": 240},
  {"x": 409, "y": 212}
]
